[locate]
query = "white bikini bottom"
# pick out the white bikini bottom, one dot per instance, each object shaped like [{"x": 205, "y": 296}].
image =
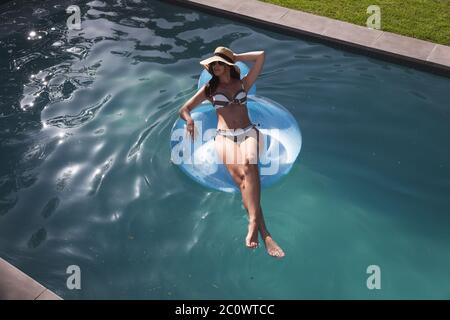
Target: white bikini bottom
[
  {"x": 236, "y": 132},
  {"x": 241, "y": 134}
]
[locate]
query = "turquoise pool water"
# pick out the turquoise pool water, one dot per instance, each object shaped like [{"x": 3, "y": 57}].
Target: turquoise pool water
[{"x": 85, "y": 176}]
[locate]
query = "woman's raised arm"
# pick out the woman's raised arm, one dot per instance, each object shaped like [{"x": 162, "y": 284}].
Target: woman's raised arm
[{"x": 258, "y": 57}]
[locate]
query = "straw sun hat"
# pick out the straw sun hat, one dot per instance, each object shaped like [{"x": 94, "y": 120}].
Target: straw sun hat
[{"x": 221, "y": 54}]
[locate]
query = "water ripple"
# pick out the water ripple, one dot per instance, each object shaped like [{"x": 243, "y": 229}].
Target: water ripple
[
  {"x": 87, "y": 114},
  {"x": 142, "y": 137}
]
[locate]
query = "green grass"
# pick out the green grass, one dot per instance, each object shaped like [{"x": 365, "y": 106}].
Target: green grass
[{"x": 422, "y": 19}]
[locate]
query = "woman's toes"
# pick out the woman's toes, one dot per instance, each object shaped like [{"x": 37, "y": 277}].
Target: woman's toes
[
  {"x": 276, "y": 253},
  {"x": 251, "y": 244}
]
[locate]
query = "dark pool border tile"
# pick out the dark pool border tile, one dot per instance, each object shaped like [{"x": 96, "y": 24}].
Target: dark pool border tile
[
  {"x": 411, "y": 52},
  {"x": 16, "y": 285}
]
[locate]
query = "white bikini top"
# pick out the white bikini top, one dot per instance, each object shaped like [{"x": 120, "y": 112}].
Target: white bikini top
[{"x": 221, "y": 100}]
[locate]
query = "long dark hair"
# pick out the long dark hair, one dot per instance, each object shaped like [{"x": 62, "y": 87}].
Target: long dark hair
[{"x": 212, "y": 85}]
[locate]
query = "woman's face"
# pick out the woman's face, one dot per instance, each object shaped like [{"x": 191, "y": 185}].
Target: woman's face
[{"x": 219, "y": 68}]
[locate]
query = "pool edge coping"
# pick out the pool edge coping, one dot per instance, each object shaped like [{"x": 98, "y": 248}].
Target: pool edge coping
[
  {"x": 17, "y": 285},
  {"x": 412, "y": 52}
]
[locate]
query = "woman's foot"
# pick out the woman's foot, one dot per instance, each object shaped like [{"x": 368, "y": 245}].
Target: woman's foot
[
  {"x": 273, "y": 249},
  {"x": 251, "y": 241}
]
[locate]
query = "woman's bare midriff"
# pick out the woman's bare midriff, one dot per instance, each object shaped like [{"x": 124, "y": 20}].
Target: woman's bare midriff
[{"x": 233, "y": 116}]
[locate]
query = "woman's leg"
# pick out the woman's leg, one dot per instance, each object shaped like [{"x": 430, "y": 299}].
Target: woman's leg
[
  {"x": 232, "y": 158},
  {"x": 251, "y": 189}
]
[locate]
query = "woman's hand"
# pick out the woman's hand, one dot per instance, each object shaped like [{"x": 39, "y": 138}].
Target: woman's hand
[{"x": 190, "y": 128}]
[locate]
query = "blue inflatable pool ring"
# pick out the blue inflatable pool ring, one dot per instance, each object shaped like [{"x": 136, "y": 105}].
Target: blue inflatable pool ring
[{"x": 199, "y": 159}]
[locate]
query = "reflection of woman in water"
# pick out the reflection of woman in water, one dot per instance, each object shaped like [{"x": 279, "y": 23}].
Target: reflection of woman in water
[{"x": 238, "y": 141}]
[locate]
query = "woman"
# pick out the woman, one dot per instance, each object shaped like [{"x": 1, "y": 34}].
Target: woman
[{"x": 238, "y": 141}]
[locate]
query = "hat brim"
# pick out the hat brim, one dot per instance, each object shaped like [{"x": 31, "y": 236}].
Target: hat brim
[{"x": 207, "y": 61}]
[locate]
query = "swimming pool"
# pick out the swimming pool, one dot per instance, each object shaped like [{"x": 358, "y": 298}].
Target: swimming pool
[{"x": 86, "y": 177}]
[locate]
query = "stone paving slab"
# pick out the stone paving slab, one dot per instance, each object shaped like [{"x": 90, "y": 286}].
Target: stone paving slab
[
  {"x": 261, "y": 10},
  {"x": 48, "y": 295},
  {"x": 305, "y": 21},
  {"x": 351, "y": 33},
  {"x": 220, "y": 4},
  {"x": 405, "y": 46},
  {"x": 440, "y": 55},
  {"x": 16, "y": 285}
]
